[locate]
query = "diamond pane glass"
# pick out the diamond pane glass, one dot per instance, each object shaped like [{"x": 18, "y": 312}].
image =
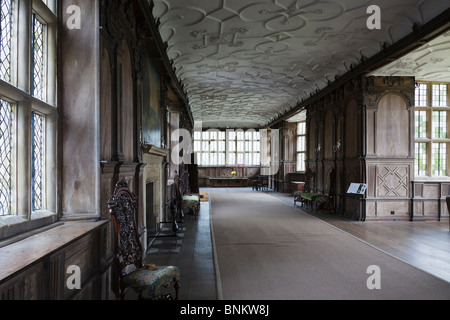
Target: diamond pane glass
[
  {"x": 5, "y": 39},
  {"x": 38, "y": 58},
  {"x": 5, "y": 157},
  {"x": 38, "y": 161}
]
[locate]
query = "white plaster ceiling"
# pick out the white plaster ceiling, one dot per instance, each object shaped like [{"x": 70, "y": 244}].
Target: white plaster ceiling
[
  {"x": 428, "y": 63},
  {"x": 244, "y": 63},
  {"x": 298, "y": 117}
]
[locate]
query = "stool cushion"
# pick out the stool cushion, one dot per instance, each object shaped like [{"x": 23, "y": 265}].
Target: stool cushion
[{"x": 152, "y": 281}]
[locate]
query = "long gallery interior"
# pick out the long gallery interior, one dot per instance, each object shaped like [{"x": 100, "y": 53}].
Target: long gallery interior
[{"x": 224, "y": 149}]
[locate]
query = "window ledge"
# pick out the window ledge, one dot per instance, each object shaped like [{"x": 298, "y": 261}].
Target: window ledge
[
  {"x": 17, "y": 226},
  {"x": 23, "y": 253},
  {"x": 42, "y": 214},
  {"x": 8, "y": 221},
  {"x": 431, "y": 179}
]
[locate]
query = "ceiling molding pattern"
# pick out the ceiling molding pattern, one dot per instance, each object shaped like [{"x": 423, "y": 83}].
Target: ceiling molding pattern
[
  {"x": 429, "y": 63},
  {"x": 253, "y": 61}
]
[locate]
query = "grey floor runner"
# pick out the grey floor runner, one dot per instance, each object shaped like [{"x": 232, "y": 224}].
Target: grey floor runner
[{"x": 267, "y": 250}]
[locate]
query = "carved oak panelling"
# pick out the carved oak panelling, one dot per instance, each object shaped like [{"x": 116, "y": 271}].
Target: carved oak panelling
[
  {"x": 430, "y": 208},
  {"x": 351, "y": 130},
  {"x": 393, "y": 209},
  {"x": 392, "y": 127},
  {"x": 431, "y": 191},
  {"x": 26, "y": 286},
  {"x": 392, "y": 181},
  {"x": 80, "y": 254}
]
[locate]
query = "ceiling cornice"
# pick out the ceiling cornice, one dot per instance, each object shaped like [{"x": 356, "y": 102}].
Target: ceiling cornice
[{"x": 419, "y": 37}]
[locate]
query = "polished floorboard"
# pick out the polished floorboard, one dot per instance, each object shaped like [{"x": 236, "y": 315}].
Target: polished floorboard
[{"x": 425, "y": 245}]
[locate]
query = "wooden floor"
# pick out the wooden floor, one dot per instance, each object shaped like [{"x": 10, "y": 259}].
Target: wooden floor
[{"x": 425, "y": 245}]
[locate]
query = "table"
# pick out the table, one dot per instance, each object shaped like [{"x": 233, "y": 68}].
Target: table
[{"x": 228, "y": 182}]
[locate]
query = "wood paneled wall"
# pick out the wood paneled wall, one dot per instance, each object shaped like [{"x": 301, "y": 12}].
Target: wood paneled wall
[
  {"x": 373, "y": 118},
  {"x": 47, "y": 277},
  {"x": 100, "y": 127}
]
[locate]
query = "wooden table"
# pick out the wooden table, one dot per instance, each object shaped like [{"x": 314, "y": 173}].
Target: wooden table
[{"x": 228, "y": 182}]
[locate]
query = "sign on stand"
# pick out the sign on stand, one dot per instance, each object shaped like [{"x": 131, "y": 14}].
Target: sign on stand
[{"x": 356, "y": 190}]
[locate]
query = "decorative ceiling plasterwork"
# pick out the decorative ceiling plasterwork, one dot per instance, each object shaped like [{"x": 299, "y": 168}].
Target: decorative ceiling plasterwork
[
  {"x": 429, "y": 63},
  {"x": 250, "y": 62}
]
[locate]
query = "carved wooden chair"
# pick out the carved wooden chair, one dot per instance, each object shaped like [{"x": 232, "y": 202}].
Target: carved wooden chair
[
  {"x": 189, "y": 201},
  {"x": 298, "y": 195},
  {"x": 150, "y": 282}
]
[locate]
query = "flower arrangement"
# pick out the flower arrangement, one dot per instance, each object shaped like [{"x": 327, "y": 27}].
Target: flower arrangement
[{"x": 233, "y": 174}]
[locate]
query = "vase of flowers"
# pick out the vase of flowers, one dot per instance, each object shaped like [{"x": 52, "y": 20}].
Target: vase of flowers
[{"x": 233, "y": 174}]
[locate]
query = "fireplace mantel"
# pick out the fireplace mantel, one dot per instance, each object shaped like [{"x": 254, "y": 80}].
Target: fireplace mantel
[
  {"x": 154, "y": 177},
  {"x": 154, "y": 150}
]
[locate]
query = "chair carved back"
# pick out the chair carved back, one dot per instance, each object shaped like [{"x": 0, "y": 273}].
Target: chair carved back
[
  {"x": 185, "y": 187},
  {"x": 129, "y": 251},
  {"x": 309, "y": 176}
]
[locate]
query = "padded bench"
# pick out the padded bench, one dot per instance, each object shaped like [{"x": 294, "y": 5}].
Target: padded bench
[
  {"x": 191, "y": 202},
  {"x": 312, "y": 200}
]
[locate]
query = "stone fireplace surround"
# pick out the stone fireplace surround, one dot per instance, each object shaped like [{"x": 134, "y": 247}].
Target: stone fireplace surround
[{"x": 154, "y": 174}]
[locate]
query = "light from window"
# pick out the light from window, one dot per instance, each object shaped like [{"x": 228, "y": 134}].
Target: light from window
[
  {"x": 439, "y": 154},
  {"x": 301, "y": 146},
  {"x": 38, "y": 161},
  {"x": 422, "y": 95},
  {"x": 5, "y": 157},
  {"x": 439, "y": 124},
  {"x": 421, "y": 124},
  {"x": 38, "y": 58},
  {"x": 214, "y": 149},
  {"x": 439, "y": 95},
  {"x": 5, "y": 39},
  {"x": 421, "y": 159},
  {"x": 301, "y": 165}
]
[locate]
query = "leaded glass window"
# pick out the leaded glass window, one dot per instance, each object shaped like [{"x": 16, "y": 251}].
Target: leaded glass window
[
  {"x": 422, "y": 95},
  {"x": 431, "y": 129},
  {"x": 439, "y": 124},
  {"x": 5, "y": 39},
  {"x": 38, "y": 58},
  {"x": 38, "y": 161},
  {"x": 28, "y": 85},
  {"x": 439, "y": 154},
  {"x": 439, "y": 95},
  {"x": 5, "y": 157},
  {"x": 220, "y": 148},
  {"x": 421, "y": 159},
  {"x": 301, "y": 146},
  {"x": 421, "y": 124}
]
